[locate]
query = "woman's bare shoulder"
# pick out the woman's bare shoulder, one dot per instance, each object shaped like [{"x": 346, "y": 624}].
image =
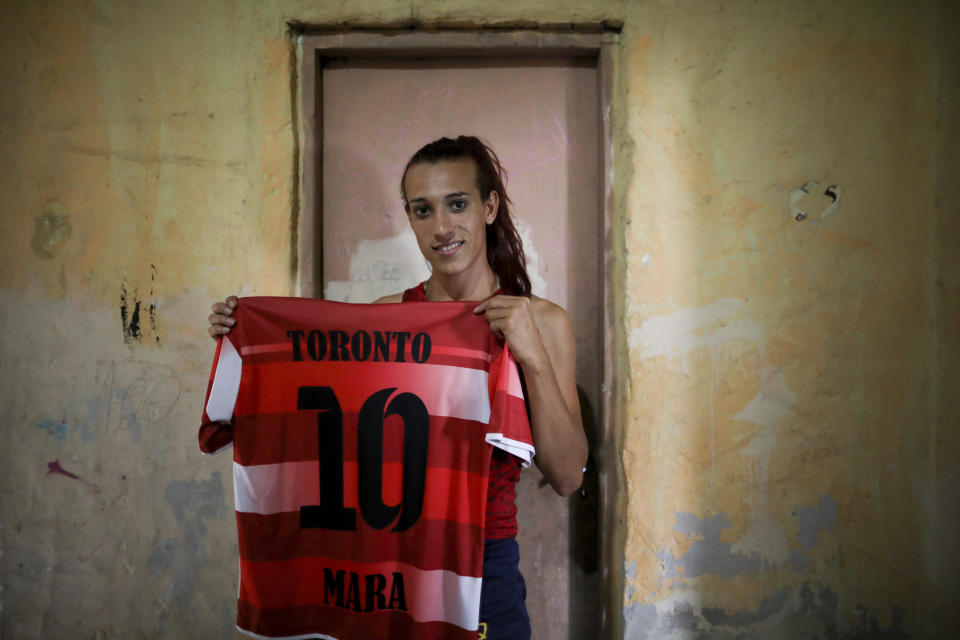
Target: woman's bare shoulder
[
  {"x": 547, "y": 308},
  {"x": 551, "y": 316},
  {"x": 557, "y": 334},
  {"x": 396, "y": 297}
]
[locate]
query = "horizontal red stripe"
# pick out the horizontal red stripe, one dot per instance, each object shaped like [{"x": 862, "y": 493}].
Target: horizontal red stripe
[
  {"x": 436, "y": 544},
  {"x": 277, "y": 347},
  {"x": 344, "y": 624},
  {"x": 460, "y": 361},
  {"x": 300, "y": 582},
  {"x": 290, "y": 437},
  {"x": 508, "y": 416},
  {"x": 461, "y": 351},
  {"x": 272, "y": 387},
  {"x": 448, "y": 493}
]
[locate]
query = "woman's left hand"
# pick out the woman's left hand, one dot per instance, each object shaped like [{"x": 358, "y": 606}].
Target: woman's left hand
[
  {"x": 541, "y": 340},
  {"x": 512, "y": 318}
]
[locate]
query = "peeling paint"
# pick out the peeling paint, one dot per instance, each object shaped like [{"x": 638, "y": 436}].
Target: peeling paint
[
  {"x": 129, "y": 317},
  {"x": 680, "y": 332},
  {"x": 774, "y": 398},
  {"x": 192, "y": 502},
  {"x": 707, "y": 554},
  {"x": 683, "y": 617},
  {"x": 810, "y": 611},
  {"x": 765, "y": 537},
  {"x": 767, "y": 608},
  {"x": 162, "y": 555},
  {"x": 772, "y": 401},
  {"x": 130, "y": 308},
  {"x": 762, "y": 547},
  {"x": 640, "y": 620},
  {"x": 810, "y": 522}
]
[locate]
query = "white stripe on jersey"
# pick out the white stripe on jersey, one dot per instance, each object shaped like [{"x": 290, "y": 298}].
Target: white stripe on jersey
[
  {"x": 434, "y": 595},
  {"x": 226, "y": 383},
  {"x": 276, "y": 488}
]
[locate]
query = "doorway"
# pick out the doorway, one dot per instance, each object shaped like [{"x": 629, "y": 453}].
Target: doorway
[{"x": 370, "y": 109}]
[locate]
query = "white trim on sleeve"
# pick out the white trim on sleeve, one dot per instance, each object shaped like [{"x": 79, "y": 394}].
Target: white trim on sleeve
[
  {"x": 522, "y": 450},
  {"x": 225, "y": 385}
]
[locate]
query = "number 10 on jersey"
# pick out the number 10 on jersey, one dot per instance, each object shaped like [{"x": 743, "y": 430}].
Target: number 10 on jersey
[{"x": 331, "y": 512}]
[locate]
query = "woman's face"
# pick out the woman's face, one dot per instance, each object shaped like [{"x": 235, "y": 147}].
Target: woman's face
[{"x": 448, "y": 216}]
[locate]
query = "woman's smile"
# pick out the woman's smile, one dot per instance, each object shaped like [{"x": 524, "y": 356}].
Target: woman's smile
[{"x": 449, "y": 249}]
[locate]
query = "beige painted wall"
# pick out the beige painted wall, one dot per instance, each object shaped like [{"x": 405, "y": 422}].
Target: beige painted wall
[{"x": 788, "y": 423}]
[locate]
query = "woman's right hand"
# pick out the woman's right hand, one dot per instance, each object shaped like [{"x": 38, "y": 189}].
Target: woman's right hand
[{"x": 220, "y": 321}]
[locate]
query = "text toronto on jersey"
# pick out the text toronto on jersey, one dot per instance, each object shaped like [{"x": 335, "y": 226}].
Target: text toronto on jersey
[{"x": 339, "y": 346}]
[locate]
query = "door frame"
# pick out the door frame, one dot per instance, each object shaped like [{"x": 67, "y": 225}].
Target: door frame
[{"x": 311, "y": 45}]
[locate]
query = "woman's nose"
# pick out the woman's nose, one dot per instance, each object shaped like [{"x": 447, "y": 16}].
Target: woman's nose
[{"x": 442, "y": 224}]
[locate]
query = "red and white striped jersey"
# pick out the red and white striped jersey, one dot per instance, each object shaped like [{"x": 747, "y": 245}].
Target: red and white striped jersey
[{"x": 361, "y": 450}]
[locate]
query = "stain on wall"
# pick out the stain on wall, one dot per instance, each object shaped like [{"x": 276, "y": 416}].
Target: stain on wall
[
  {"x": 130, "y": 313},
  {"x": 787, "y": 432},
  {"x": 192, "y": 503},
  {"x": 51, "y": 231}
]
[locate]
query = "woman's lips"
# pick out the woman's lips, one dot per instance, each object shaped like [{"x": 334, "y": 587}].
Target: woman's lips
[{"x": 449, "y": 248}]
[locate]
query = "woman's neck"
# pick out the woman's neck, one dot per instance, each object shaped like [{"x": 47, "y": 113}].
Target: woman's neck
[{"x": 439, "y": 288}]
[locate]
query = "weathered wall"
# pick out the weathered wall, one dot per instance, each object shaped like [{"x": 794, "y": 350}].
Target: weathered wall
[
  {"x": 791, "y": 470},
  {"x": 789, "y": 430}
]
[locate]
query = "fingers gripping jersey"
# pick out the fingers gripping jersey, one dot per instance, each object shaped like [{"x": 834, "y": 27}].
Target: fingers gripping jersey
[{"x": 361, "y": 449}]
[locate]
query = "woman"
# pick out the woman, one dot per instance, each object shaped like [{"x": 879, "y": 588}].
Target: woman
[{"x": 457, "y": 206}]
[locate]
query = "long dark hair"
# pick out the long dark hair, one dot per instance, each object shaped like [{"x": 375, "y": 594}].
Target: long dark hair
[{"x": 504, "y": 247}]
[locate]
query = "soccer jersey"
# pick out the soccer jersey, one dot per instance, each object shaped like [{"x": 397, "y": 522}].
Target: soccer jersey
[
  {"x": 501, "y": 516},
  {"x": 362, "y": 441}
]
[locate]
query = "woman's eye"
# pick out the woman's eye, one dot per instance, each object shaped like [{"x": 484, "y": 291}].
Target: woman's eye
[
  {"x": 421, "y": 212},
  {"x": 459, "y": 205}
]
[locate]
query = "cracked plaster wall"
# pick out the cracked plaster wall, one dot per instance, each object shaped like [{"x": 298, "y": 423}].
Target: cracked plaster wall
[
  {"x": 790, "y": 450},
  {"x": 788, "y": 435}
]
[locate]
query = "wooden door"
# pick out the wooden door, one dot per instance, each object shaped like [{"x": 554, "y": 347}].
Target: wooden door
[{"x": 541, "y": 115}]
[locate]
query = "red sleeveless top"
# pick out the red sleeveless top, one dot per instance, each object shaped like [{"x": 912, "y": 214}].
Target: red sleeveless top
[{"x": 501, "y": 520}]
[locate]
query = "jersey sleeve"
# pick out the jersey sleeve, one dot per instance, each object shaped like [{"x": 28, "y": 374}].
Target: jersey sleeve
[
  {"x": 509, "y": 426},
  {"x": 216, "y": 432}
]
